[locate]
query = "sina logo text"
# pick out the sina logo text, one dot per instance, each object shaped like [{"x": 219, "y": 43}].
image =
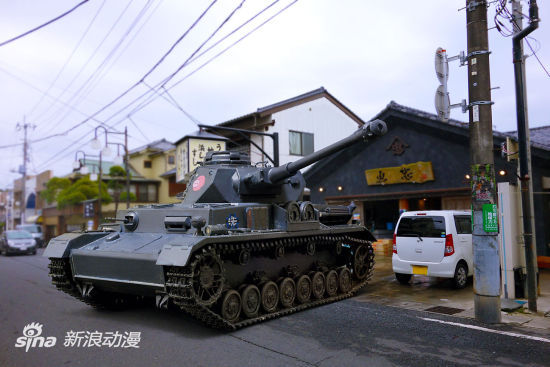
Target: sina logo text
[{"x": 31, "y": 338}]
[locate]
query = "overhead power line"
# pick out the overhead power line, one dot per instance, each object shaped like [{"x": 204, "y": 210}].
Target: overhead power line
[
  {"x": 43, "y": 25},
  {"x": 69, "y": 58},
  {"x": 150, "y": 93}
]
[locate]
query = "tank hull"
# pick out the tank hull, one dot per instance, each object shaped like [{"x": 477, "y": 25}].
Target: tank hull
[{"x": 196, "y": 273}]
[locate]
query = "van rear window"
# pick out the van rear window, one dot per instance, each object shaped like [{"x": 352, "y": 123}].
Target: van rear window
[{"x": 421, "y": 226}]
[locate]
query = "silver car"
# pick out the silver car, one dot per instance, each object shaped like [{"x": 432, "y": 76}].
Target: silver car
[
  {"x": 17, "y": 242},
  {"x": 35, "y": 230}
]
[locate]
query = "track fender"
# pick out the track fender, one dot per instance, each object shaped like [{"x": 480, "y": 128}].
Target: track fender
[
  {"x": 177, "y": 253},
  {"x": 61, "y": 246}
]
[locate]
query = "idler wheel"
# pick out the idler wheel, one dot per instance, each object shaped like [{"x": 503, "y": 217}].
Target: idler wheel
[
  {"x": 287, "y": 292},
  {"x": 270, "y": 296},
  {"x": 208, "y": 278},
  {"x": 344, "y": 280},
  {"x": 361, "y": 262},
  {"x": 250, "y": 298},
  {"x": 303, "y": 289},
  {"x": 231, "y": 305},
  {"x": 332, "y": 283},
  {"x": 318, "y": 285}
]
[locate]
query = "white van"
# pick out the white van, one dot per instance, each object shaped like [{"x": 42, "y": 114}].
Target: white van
[
  {"x": 435, "y": 243},
  {"x": 35, "y": 230}
]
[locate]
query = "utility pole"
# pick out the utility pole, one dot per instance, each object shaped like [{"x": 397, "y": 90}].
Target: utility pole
[
  {"x": 484, "y": 212},
  {"x": 126, "y": 167},
  {"x": 524, "y": 145},
  {"x": 23, "y": 169}
]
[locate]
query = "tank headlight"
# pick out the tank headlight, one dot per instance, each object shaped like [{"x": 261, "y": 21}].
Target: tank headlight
[{"x": 131, "y": 221}]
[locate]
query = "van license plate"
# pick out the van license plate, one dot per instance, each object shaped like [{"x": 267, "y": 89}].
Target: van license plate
[{"x": 420, "y": 270}]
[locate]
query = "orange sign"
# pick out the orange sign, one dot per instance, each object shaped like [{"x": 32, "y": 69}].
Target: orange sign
[{"x": 418, "y": 172}]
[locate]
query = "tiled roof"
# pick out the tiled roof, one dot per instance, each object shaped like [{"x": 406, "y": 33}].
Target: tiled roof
[
  {"x": 161, "y": 145},
  {"x": 540, "y": 136}
]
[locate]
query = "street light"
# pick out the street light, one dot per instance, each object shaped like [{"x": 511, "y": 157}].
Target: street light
[
  {"x": 106, "y": 151},
  {"x": 118, "y": 160}
]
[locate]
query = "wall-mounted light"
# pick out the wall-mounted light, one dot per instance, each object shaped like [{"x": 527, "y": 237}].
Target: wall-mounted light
[
  {"x": 340, "y": 188},
  {"x": 502, "y": 172},
  {"x": 467, "y": 176},
  {"x": 321, "y": 189}
]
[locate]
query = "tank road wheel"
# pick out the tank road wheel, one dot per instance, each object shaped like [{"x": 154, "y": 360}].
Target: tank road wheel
[
  {"x": 361, "y": 262},
  {"x": 250, "y": 298},
  {"x": 344, "y": 280},
  {"x": 332, "y": 284},
  {"x": 303, "y": 289},
  {"x": 287, "y": 292},
  {"x": 270, "y": 296},
  {"x": 318, "y": 285},
  {"x": 208, "y": 278},
  {"x": 231, "y": 306}
]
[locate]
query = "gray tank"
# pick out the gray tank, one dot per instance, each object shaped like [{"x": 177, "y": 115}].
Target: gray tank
[{"x": 242, "y": 247}]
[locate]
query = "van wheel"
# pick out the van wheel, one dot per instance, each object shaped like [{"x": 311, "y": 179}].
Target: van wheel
[
  {"x": 403, "y": 278},
  {"x": 461, "y": 276}
]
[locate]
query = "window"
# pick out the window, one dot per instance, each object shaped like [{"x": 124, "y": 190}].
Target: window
[
  {"x": 171, "y": 159},
  {"x": 147, "y": 193},
  {"x": 421, "y": 226},
  {"x": 300, "y": 143},
  {"x": 463, "y": 224},
  {"x": 147, "y": 164}
]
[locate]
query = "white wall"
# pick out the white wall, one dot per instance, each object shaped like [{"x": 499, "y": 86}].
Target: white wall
[{"x": 321, "y": 117}]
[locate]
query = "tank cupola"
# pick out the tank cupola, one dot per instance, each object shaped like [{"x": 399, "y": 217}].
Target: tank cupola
[{"x": 226, "y": 157}]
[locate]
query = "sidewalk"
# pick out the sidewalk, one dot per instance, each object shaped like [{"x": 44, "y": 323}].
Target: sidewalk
[{"x": 425, "y": 294}]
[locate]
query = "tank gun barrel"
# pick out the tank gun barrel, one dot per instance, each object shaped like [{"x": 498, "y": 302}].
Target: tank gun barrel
[{"x": 373, "y": 128}]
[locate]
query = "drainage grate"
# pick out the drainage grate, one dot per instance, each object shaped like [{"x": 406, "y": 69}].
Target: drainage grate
[{"x": 444, "y": 310}]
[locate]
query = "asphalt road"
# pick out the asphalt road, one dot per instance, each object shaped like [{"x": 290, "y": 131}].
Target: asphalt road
[{"x": 347, "y": 333}]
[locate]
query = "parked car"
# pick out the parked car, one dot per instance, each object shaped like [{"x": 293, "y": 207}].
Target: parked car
[
  {"x": 17, "y": 242},
  {"x": 35, "y": 230},
  {"x": 435, "y": 243}
]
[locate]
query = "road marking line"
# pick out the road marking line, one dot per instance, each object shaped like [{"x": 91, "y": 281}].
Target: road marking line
[{"x": 489, "y": 330}]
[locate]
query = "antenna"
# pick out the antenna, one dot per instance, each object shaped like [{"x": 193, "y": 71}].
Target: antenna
[{"x": 442, "y": 100}]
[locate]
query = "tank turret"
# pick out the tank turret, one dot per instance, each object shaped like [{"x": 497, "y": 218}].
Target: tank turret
[
  {"x": 242, "y": 247},
  {"x": 228, "y": 177}
]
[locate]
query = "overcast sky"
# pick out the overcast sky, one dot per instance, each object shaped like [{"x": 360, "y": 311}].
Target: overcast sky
[{"x": 365, "y": 53}]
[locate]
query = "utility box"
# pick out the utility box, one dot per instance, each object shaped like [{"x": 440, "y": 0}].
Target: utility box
[{"x": 512, "y": 254}]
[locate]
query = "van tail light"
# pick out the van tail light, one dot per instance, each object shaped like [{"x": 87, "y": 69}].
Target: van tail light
[
  {"x": 449, "y": 245},
  {"x": 394, "y": 244}
]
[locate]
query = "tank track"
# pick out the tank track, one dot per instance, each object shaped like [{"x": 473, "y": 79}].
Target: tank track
[
  {"x": 179, "y": 284},
  {"x": 60, "y": 272}
]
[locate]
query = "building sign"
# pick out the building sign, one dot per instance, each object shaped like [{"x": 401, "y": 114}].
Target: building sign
[
  {"x": 418, "y": 172},
  {"x": 89, "y": 209},
  {"x": 397, "y": 146},
  {"x": 490, "y": 218},
  {"x": 191, "y": 152}
]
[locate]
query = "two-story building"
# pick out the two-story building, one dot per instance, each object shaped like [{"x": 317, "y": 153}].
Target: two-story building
[
  {"x": 156, "y": 162},
  {"x": 304, "y": 124}
]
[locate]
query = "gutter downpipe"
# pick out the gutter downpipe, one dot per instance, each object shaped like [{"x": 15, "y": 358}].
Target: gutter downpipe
[{"x": 524, "y": 151}]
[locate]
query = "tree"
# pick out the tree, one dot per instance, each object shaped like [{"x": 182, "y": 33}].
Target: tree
[
  {"x": 80, "y": 190},
  {"x": 53, "y": 187},
  {"x": 117, "y": 174}
]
